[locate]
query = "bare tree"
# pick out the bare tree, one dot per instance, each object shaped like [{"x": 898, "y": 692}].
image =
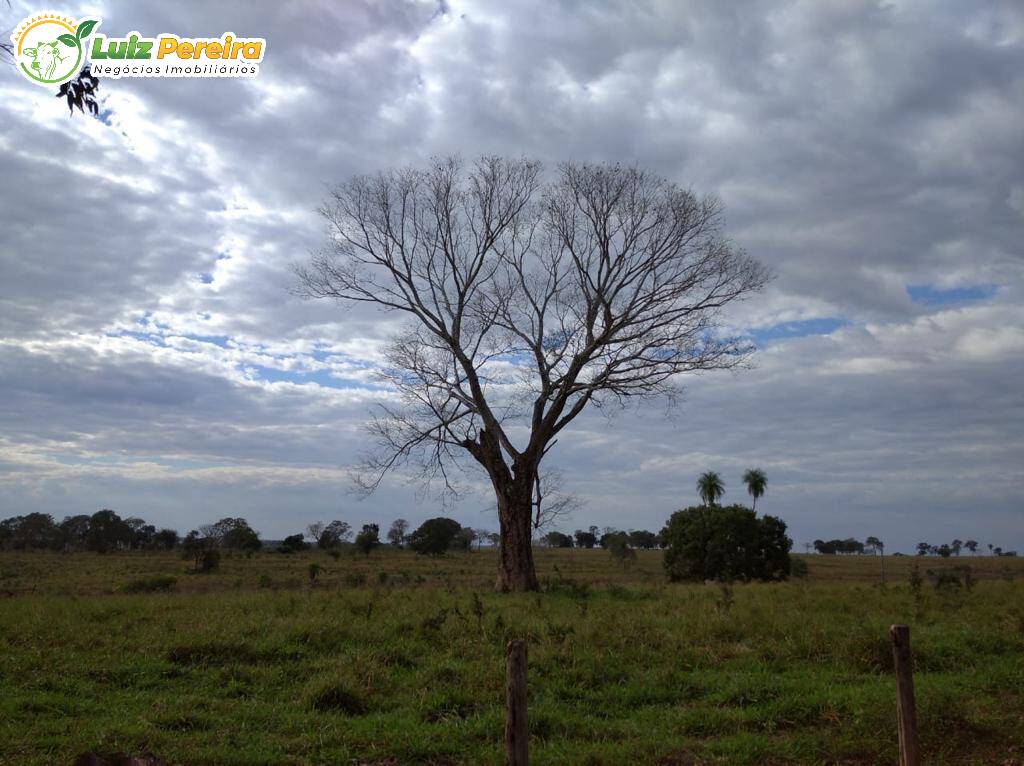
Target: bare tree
[
  {"x": 527, "y": 300},
  {"x": 314, "y": 530},
  {"x": 398, "y": 533}
]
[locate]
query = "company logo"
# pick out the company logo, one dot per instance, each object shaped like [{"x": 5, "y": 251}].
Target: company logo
[{"x": 50, "y": 49}]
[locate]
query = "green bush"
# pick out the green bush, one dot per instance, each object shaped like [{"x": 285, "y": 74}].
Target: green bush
[
  {"x": 368, "y": 538},
  {"x": 435, "y": 536},
  {"x": 292, "y": 544},
  {"x": 725, "y": 543}
]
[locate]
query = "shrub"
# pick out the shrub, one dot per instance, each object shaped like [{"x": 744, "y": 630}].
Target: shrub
[
  {"x": 334, "y": 534},
  {"x": 725, "y": 543},
  {"x": 292, "y": 544},
  {"x": 435, "y": 536},
  {"x": 368, "y": 538},
  {"x": 618, "y": 547},
  {"x": 165, "y": 539},
  {"x": 314, "y": 570},
  {"x": 150, "y": 584},
  {"x": 557, "y": 540},
  {"x": 237, "y": 535}
]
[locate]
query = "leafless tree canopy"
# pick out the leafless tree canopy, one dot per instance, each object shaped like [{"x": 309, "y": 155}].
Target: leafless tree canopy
[{"x": 528, "y": 299}]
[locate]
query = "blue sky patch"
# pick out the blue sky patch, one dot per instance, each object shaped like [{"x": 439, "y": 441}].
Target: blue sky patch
[
  {"x": 798, "y": 329},
  {"x": 217, "y": 340},
  {"x": 933, "y": 295}
]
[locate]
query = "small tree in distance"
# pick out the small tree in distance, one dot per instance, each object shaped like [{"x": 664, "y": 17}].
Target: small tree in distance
[
  {"x": 642, "y": 538},
  {"x": 165, "y": 539},
  {"x": 368, "y": 538},
  {"x": 556, "y": 539},
  {"x": 314, "y": 531},
  {"x": 293, "y": 544},
  {"x": 585, "y": 539},
  {"x": 334, "y": 534},
  {"x": 397, "y": 532}
]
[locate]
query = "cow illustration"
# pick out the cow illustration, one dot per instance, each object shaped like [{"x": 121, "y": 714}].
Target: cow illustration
[{"x": 45, "y": 58}]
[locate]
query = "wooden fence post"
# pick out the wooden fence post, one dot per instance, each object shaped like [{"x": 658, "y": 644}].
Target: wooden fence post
[
  {"x": 906, "y": 709},
  {"x": 517, "y": 732}
]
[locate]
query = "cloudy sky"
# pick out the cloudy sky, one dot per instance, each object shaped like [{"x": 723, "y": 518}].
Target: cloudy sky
[{"x": 153, "y": 361}]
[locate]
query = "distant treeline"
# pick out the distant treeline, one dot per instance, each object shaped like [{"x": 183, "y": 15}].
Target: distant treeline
[
  {"x": 102, "y": 531},
  {"x": 873, "y": 545},
  {"x": 708, "y": 542},
  {"x": 606, "y": 538},
  {"x": 106, "y": 531}
]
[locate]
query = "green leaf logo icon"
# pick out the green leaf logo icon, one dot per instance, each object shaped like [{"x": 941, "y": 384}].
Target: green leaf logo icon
[
  {"x": 68, "y": 40},
  {"x": 85, "y": 28}
]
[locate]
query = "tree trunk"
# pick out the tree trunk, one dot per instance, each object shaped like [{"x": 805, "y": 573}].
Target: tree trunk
[
  {"x": 513, "y": 490},
  {"x": 516, "y": 572}
]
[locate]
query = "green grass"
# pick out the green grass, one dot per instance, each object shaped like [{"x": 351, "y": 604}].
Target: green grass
[{"x": 253, "y": 666}]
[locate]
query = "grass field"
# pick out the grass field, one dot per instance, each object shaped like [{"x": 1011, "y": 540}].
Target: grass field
[{"x": 395, "y": 658}]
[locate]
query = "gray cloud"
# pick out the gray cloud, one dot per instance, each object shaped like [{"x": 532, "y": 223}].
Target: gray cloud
[{"x": 858, "y": 148}]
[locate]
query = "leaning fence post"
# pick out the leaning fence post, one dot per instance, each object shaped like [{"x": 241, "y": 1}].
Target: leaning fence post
[
  {"x": 906, "y": 710},
  {"x": 517, "y": 732}
]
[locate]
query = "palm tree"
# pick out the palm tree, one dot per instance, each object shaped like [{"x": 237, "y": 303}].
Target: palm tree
[
  {"x": 756, "y": 482},
  {"x": 710, "y": 487}
]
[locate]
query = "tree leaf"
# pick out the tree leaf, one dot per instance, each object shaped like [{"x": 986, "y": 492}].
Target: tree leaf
[
  {"x": 68, "y": 40},
  {"x": 85, "y": 28}
]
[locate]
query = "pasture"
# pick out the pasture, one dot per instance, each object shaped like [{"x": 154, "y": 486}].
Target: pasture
[{"x": 394, "y": 658}]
